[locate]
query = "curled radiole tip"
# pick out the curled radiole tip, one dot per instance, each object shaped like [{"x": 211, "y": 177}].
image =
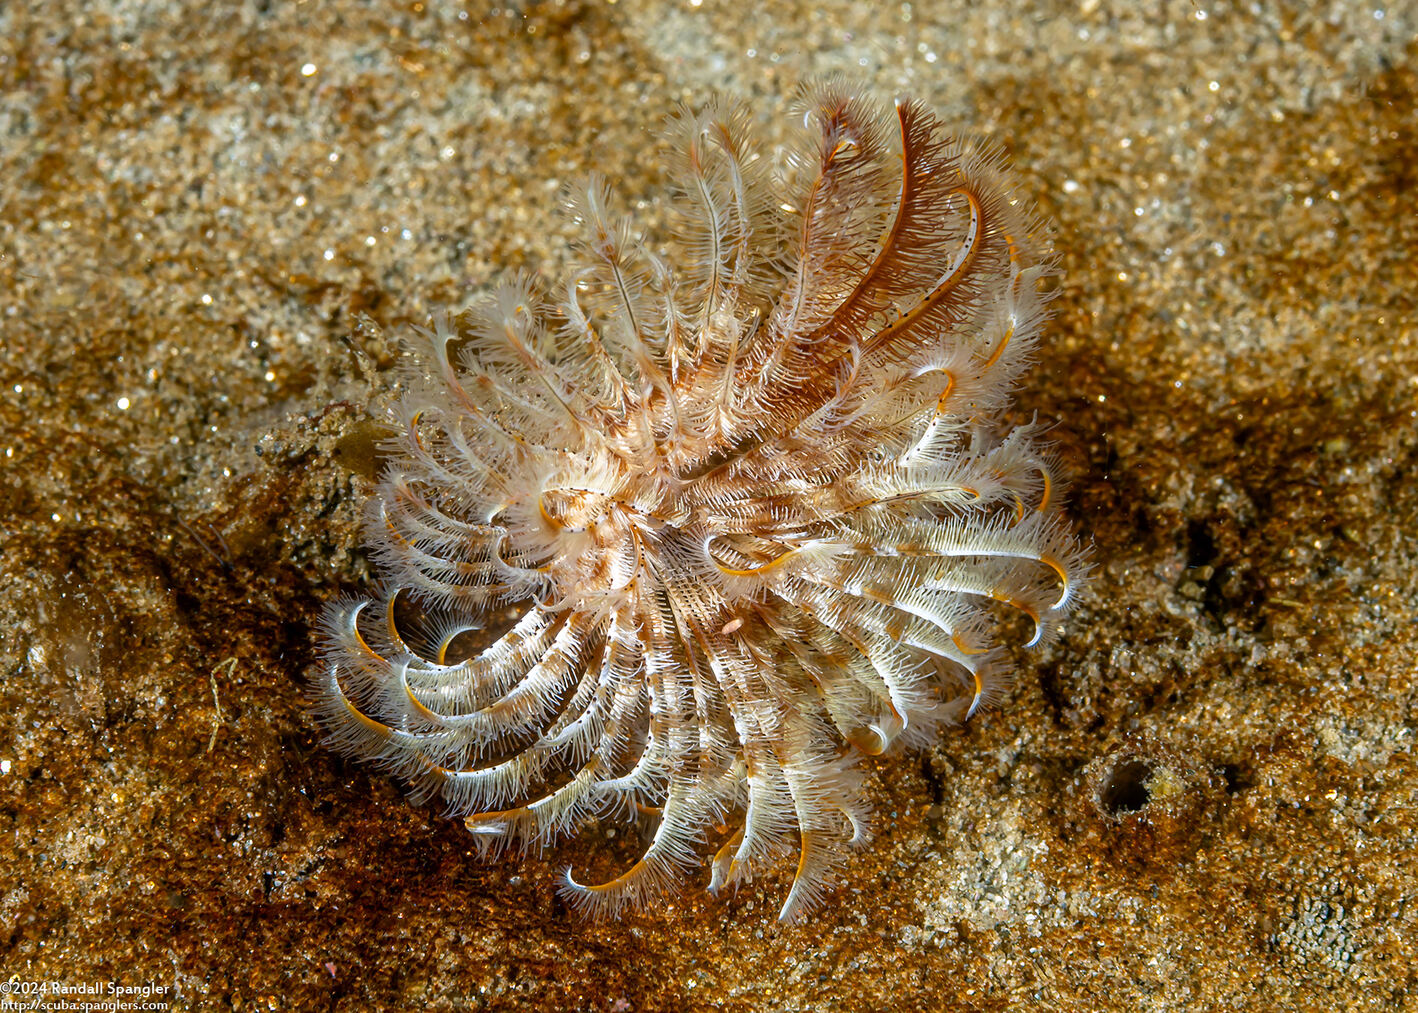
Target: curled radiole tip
[{"x": 755, "y": 501}]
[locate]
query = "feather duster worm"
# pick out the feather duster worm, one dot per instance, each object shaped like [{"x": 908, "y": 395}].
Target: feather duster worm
[{"x": 756, "y": 507}]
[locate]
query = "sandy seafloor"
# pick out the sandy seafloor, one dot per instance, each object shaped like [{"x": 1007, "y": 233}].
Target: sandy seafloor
[{"x": 1203, "y": 797}]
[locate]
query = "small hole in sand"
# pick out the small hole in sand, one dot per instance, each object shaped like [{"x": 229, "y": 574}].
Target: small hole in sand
[{"x": 1125, "y": 789}]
